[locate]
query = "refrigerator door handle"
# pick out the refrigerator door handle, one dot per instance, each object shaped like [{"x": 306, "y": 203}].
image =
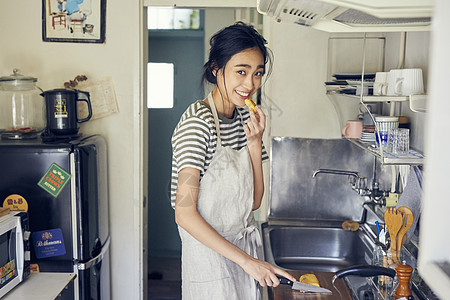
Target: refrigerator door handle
[{"x": 95, "y": 260}]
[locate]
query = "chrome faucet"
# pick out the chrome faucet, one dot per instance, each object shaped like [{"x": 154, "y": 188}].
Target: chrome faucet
[
  {"x": 338, "y": 172},
  {"x": 359, "y": 184}
]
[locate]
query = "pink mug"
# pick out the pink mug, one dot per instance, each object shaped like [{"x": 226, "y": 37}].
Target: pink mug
[{"x": 353, "y": 129}]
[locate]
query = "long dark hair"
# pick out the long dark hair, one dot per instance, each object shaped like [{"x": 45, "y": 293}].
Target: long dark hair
[{"x": 230, "y": 41}]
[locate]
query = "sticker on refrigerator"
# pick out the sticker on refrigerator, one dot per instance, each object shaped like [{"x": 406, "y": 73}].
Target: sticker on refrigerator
[
  {"x": 48, "y": 243},
  {"x": 34, "y": 268},
  {"x": 54, "y": 180},
  {"x": 16, "y": 202}
]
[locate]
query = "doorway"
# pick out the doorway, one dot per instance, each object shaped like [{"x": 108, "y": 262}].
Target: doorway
[
  {"x": 186, "y": 51},
  {"x": 182, "y": 50}
]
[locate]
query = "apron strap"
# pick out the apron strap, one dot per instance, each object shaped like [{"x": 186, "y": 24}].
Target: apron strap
[
  {"x": 251, "y": 234},
  {"x": 252, "y": 242},
  {"x": 216, "y": 119}
]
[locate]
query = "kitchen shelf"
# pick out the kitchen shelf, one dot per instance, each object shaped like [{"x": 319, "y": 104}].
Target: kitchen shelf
[
  {"x": 417, "y": 103},
  {"x": 372, "y": 99},
  {"x": 385, "y": 98},
  {"x": 413, "y": 157}
]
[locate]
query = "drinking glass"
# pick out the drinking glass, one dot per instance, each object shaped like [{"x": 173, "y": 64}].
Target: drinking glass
[
  {"x": 383, "y": 125},
  {"x": 398, "y": 141}
]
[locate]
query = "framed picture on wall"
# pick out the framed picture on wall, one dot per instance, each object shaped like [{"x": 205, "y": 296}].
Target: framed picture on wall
[{"x": 74, "y": 21}]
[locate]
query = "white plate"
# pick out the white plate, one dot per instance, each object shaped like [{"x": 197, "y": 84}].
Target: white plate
[
  {"x": 367, "y": 139},
  {"x": 358, "y": 82}
]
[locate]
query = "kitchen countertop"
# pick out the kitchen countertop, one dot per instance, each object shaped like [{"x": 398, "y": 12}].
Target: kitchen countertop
[
  {"x": 41, "y": 286},
  {"x": 284, "y": 292}
]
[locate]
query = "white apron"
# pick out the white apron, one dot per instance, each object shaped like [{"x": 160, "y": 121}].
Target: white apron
[{"x": 225, "y": 201}]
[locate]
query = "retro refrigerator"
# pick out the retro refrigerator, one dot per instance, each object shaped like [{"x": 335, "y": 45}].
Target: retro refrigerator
[{"x": 63, "y": 186}]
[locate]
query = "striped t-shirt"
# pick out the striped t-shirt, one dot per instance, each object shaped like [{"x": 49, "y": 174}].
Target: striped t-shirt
[{"x": 194, "y": 139}]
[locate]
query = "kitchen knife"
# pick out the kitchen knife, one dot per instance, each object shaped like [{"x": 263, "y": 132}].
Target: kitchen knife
[{"x": 303, "y": 286}]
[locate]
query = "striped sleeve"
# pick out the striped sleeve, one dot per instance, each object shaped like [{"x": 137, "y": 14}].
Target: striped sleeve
[
  {"x": 189, "y": 143},
  {"x": 265, "y": 156}
]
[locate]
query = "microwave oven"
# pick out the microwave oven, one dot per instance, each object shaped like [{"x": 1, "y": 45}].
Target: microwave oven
[{"x": 14, "y": 250}]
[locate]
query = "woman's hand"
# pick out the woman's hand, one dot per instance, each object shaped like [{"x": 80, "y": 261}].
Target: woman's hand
[
  {"x": 264, "y": 272},
  {"x": 254, "y": 129}
]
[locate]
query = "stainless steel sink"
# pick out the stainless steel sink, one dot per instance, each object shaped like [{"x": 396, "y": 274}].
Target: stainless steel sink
[{"x": 326, "y": 249}]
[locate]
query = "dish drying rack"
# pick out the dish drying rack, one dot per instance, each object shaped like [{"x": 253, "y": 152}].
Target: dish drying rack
[{"x": 387, "y": 158}]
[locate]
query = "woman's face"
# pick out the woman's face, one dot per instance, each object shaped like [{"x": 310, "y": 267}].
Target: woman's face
[{"x": 241, "y": 76}]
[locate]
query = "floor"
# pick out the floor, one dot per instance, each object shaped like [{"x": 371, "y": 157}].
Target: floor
[{"x": 164, "y": 279}]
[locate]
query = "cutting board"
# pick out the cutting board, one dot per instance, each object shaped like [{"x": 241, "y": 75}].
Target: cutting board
[
  {"x": 284, "y": 292},
  {"x": 4, "y": 211}
]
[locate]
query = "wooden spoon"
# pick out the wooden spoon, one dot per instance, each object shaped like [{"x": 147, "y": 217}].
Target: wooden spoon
[
  {"x": 407, "y": 222},
  {"x": 393, "y": 220}
]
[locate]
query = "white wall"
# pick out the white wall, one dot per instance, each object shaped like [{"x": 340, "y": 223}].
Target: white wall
[
  {"x": 295, "y": 91},
  {"x": 216, "y": 19},
  {"x": 417, "y": 55},
  {"x": 119, "y": 57},
  {"x": 299, "y": 106}
]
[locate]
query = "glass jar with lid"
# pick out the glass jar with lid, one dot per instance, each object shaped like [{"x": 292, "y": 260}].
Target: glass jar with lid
[{"x": 22, "y": 108}]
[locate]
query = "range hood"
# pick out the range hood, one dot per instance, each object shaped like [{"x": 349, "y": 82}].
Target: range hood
[{"x": 352, "y": 15}]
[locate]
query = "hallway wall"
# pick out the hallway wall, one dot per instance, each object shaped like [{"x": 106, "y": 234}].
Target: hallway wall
[{"x": 119, "y": 57}]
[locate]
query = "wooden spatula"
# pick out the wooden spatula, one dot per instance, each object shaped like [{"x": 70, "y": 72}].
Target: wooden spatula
[
  {"x": 408, "y": 219},
  {"x": 393, "y": 220}
]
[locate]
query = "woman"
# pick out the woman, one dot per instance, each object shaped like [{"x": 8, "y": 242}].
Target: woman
[{"x": 217, "y": 178}]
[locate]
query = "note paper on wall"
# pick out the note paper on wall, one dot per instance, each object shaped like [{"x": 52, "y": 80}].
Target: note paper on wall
[{"x": 103, "y": 98}]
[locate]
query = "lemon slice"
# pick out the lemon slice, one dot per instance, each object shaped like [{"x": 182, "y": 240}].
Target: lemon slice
[
  {"x": 309, "y": 279},
  {"x": 251, "y": 105}
]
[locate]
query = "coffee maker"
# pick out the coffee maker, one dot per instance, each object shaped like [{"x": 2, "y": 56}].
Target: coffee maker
[{"x": 62, "y": 113}]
